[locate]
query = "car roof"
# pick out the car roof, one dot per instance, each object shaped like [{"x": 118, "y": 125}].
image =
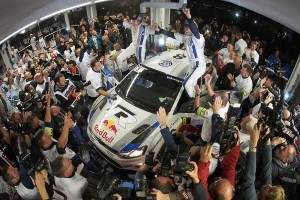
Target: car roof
[{"x": 171, "y": 62}]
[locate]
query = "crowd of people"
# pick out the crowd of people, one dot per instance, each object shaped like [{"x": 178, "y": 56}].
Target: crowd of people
[{"x": 52, "y": 85}]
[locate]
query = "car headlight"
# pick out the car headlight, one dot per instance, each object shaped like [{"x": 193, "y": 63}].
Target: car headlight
[{"x": 133, "y": 153}]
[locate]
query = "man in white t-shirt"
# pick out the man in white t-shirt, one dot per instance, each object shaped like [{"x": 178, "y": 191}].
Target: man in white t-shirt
[
  {"x": 20, "y": 179},
  {"x": 247, "y": 125},
  {"x": 95, "y": 77},
  {"x": 67, "y": 180},
  {"x": 243, "y": 82},
  {"x": 224, "y": 53},
  {"x": 114, "y": 55},
  {"x": 240, "y": 44},
  {"x": 251, "y": 54},
  {"x": 83, "y": 61}
]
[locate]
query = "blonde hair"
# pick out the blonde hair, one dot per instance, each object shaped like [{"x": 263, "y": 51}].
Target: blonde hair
[{"x": 276, "y": 193}]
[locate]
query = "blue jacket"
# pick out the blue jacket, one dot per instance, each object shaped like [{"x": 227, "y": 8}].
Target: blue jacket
[
  {"x": 248, "y": 178},
  {"x": 92, "y": 43}
]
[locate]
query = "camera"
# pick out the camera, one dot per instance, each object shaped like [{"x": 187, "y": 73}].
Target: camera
[
  {"x": 149, "y": 159},
  {"x": 165, "y": 169},
  {"x": 29, "y": 100},
  {"x": 225, "y": 131},
  {"x": 103, "y": 185},
  {"x": 182, "y": 165}
]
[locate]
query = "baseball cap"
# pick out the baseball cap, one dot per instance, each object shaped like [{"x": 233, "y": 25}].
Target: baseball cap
[
  {"x": 137, "y": 17},
  {"x": 185, "y": 25}
]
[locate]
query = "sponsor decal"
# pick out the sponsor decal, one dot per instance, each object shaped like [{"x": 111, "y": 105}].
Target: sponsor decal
[
  {"x": 124, "y": 115},
  {"x": 109, "y": 125},
  {"x": 165, "y": 63},
  {"x": 103, "y": 134}
]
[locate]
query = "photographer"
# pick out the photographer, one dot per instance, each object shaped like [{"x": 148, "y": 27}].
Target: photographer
[
  {"x": 222, "y": 186},
  {"x": 283, "y": 173},
  {"x": 20, "y": 179},
  {"x": 67, "y": 180},
  {"x": 248, "y": 189},
  {"x": 68, "y": 96},
  {"x": 42, "y": 82},
  {"x": 160, "y": 183},
  {"x": 207, "y": 113},
  {"x": 52, "y": 149},
  {"x": 198, "y": 191}
]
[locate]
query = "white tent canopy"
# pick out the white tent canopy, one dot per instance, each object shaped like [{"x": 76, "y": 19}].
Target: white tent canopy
[
  {"x": 15, "y": 14},
  {"x": 285, "y": 12}
]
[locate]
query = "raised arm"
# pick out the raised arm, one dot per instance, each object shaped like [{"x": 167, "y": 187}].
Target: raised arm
[
  {"x": 165, "y": 132},
  {"x": 192, "y": 24},
  {"x": 248, "y": 177},
  {"x": 63, "y": 138}
]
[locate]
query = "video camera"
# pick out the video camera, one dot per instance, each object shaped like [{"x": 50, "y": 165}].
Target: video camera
[
  {"x": 103, "y": 185},
  {"x": 29, "y": 100},
  {"x": 226, "y": 130},
  {"x": 182, "y": 160}
]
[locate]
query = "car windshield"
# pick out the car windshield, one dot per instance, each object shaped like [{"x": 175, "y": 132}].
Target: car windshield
[{"x": 149, "y": 89}]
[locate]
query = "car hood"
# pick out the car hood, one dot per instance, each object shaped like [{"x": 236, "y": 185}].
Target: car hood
[{"x": 117, "y": 123}]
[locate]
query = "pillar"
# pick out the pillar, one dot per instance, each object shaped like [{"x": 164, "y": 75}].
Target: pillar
[
  {"x": 67, "y": 21},
  {"x": 91, "y": 12}
]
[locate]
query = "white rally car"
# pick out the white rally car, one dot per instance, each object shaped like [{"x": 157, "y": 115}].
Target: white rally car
[{"x": 125, "y": 130}]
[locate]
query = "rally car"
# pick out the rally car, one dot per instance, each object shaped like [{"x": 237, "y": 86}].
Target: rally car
[{"x": 125, "y": 130}]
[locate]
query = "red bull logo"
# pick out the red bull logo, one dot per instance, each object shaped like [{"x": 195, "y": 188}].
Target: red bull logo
[
  {"x": 103, "y": 134},
  {"x": 109, "y": 125}
]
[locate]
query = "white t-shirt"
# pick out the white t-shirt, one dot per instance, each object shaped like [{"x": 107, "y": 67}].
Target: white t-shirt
[
  {"x": 70, "y": 55},
  {"x": 84, "y": 65},
  {"x": 26, "y": 193},
  {"x": 206, "y": 128},
  {"x": 96, "y": 82},
  {"x": 124, "y": 65},
  {"x": 72, "y": 187},
  {"x": 240, "y": 46},
  {"x": 244, "y": 85},
  {"x": 244, "y": 141},
  {"x": 40, "y": 87},
  {"x": 52, "y": 154},
  {"x": 225, "y": 53},
  {"x": 255, "y": 55}
]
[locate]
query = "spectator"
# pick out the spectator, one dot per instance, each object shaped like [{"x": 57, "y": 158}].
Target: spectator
[
  {"x": 95, "y": 41},
  {"x": 228, "y": 73},
  {"x": 207, "y": 113},
  {"x": 242, "y": 83},
  {"x": 240, "y": 44},
  {"x": 114, "y": 55},
  {"x": 224, "y": 52},
  {"x": 95, "y": 77},
  {"x": 83, "y": 60},
  {"x": 274, "y": 60},
  {"x": 251, "y": 54}
]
